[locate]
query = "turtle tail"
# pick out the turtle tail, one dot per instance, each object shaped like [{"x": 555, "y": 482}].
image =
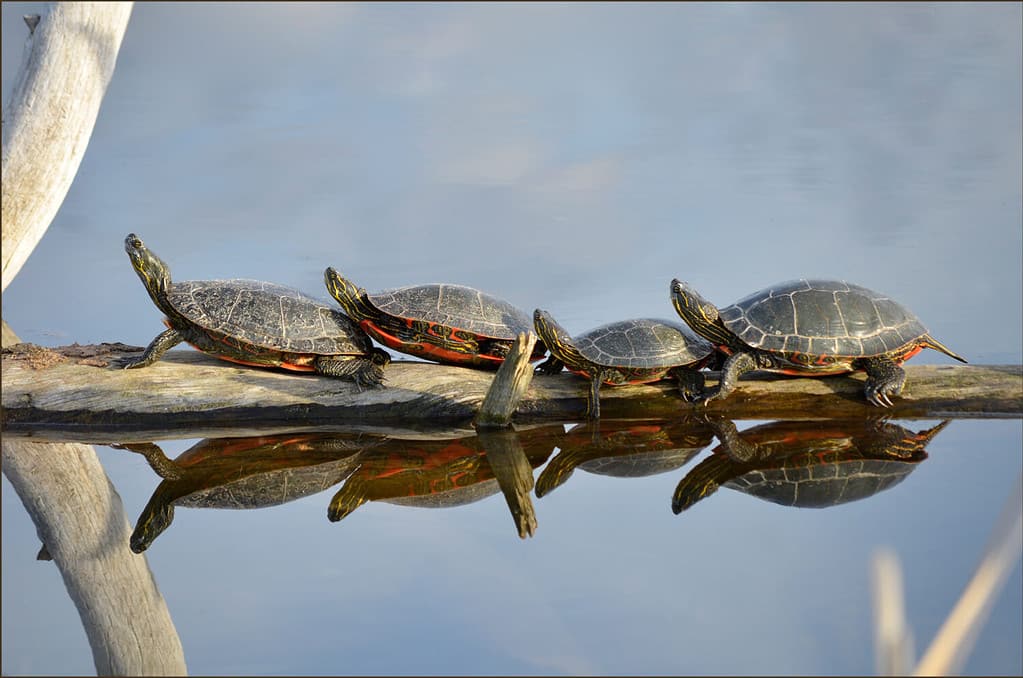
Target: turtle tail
[
  {"x": 702, "y": 481},
  {"x": 930, "y": 342}
]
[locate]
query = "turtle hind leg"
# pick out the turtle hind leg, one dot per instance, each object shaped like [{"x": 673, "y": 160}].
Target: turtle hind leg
[
  {"x": 364, "y": 371},
  {"x": 884, "y": 379},
  {"x": 163, "y": 342},
  {"x": 690, "y": 383}
]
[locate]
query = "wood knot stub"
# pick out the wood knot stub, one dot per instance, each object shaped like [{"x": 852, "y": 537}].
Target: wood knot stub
[{"x": 31, "y": 20}]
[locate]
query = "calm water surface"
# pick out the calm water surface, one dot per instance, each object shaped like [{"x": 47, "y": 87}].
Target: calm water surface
[{"x": 576, "y": 159}]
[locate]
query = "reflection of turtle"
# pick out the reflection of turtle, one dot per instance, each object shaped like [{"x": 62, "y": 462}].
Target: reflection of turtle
[
  {"x": 624, "y": 448},
  {"x": 447, "y": 323},
  {"x": 811, "y": 328},
  {"x": 254, "y": 323},
  {"x": 812, "y": 464},
  {"x": 433, "y": 473},
  {"x": 243, "y": 473}
]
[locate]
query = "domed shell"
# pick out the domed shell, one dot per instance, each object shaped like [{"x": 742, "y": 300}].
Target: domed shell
[
  {"x": 822, "y": 317},
  {"x": 268, "y": 315},
  {"x": 642, "y": 343},
  {"x": 824, "y": 485},
  {"x": 456, "y": 306}
]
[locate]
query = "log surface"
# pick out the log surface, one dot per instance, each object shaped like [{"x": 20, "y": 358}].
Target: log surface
[{"x": 188, "y": 391}]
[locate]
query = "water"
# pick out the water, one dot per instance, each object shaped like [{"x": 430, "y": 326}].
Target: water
[{"x": 575, "y": 159}]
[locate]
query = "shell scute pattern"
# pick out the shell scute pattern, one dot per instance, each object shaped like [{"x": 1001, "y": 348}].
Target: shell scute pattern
[
  {"x": 822, "y": 485},
  {"x": 822, "y": 317},
  {"x": 455, "y": 306},
  {"x": 642, "y": 343},
  {"x": 268, "y": 315}
]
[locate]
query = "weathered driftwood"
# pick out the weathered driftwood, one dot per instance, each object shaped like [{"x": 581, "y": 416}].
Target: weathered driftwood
[
  {"x": 509, "y": 385},
  {"x": 69, "y": 60},
  {"x": 188, "y": 391}
]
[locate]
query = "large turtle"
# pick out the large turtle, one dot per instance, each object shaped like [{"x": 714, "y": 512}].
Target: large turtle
[
  {"x": 811, "y": 464},
  {"x": 637, "y": 351},
  {"x": 243, "y": 473},
  {"x": 626, "y": 449},
  {"x": 447, "y": 472},
  {"x": 441, "y": 322},
  {"x": 254, "y": 323},
  {"x": 811, "y": 328}
]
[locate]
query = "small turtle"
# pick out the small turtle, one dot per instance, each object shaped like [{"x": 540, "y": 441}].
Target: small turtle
[
  {"x": 811, "y": 328},
  {"x": 626, "y": 449},
  {"x": 441, "y": 322},
  {"x": 254, "y": 323},
  {"x": 243, "y": 473},
  {"x": 811, "y": 464},
  {"x": 636, "y": 351}
]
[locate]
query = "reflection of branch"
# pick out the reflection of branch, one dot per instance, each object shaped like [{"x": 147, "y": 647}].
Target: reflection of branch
[
  {"x": 82, "y": 524},
  {"x": 69, "y": 60},
  {"x": 956, "y": 637},
  {"x": 514, "y": 474}
]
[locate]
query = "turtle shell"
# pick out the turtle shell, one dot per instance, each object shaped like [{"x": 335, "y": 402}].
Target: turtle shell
[
  {"x": 810, "y": 481},
  {"x": 642, "y": 343},
  {"x": 822, "y": 317},
  {"x": 809, "y": 464},
  {"x": 454, "y": 306},
  {"x": 269, "y": 316}
]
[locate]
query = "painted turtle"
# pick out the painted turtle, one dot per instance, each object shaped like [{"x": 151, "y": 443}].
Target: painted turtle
[
  {"x": 811, "y": 327},
  {"x": 626, "y": 449},
  {"x": 809, "y": 464},
  {"x": 242, "y": 473},
  {"x": 440, "y": 322},
  {"x": 444, "y": 473},
  {"x": 636, "y": 351},
  {"x": 254, "y": 323}
]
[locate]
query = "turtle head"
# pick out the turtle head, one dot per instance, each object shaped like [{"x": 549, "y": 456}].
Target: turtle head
[
  {"x": 550, "y": 332},
  {"x": 151, "y": 525},
  {"x": 352, "y": 298},
  {"x": 557, "y": 340},
  {"x": 698, "y": 313},
  {"x": 150, "y": 268}
]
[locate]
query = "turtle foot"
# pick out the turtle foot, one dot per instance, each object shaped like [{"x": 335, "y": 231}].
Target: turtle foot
[{"x": 879, "y": 392}]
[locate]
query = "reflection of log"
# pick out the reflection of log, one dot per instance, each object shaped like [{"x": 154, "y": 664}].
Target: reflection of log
[
  {"x": 190, "y": 390},
  {"x": 82, "y": 523},
  {"x": 69, "y": 59}
]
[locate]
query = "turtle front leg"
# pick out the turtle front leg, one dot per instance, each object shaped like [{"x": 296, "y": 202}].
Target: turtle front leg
[
  {"x": 690, "y": 383},
  {"x": 737, "y": 365},
  {"x": 884, "y": 379},
  {"x": 593, "y": 400},
  {"x": 164, "y": 342}
]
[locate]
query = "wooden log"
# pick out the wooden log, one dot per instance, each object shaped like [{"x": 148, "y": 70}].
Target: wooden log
[
  {"x": 69, "y": 59},
  {"x": 91, "y": 398}
]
